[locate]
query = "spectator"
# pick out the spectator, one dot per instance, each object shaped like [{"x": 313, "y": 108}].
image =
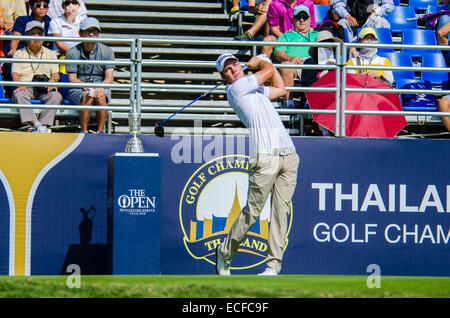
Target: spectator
[
  {"x": 279, "y": 18},
  {"x": 55, "y": 9},
  {"x": 368, "y": 56},
  {"x": 444, "y": 106},
  {"x": 354, "y": 14},
  {"x": 39, "y": 9},
  {"x": 88, "y": 73},
  {"x": 444, "y": 102},
  {"x": 11, "y": 10},
  {"x": 27, "y": 72},
  {"x": 302, "y": 32},
  {"x": 319, "y": 56},
  {"x": 66, "y": 25},
  {"x": 259, "y": 8},
  {"x": 443, "y": 20}
]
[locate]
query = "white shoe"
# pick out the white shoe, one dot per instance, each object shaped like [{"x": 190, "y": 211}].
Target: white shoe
[
  {"x": 269, "y": 271},
  {"x": 222, "y": 265},
  {"x": 43, "y": 129}
]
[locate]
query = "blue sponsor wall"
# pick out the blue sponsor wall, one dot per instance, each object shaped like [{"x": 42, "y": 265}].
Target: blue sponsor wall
[{"x": 358, "y": 202}]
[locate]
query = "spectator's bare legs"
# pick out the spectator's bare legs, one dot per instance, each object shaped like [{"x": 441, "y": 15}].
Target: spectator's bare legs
[
  {"x": 260, "y": 22},
  {"x": 288, "y": 75},
  {"x": 101, "y": 115},
  {"x": 85, "y": 115},
  {"x": 268, "y": 50},
  {"x": 444, "y": 106}
]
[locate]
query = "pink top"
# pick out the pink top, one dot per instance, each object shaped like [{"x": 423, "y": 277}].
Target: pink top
[{"x": 281, "y": 13}]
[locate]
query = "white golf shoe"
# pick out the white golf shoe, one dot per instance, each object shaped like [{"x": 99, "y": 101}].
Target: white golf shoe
[
  {"x": 269, "y": 271},
  {"x": 222, "y": 265}
]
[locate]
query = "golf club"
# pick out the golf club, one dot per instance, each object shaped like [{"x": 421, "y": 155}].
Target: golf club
[{"x": 159, "y": 125}]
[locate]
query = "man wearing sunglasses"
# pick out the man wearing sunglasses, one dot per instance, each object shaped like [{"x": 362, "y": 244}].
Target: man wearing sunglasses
[
  {"x": 89, "y": 73},
  {"x": 39, "y": 9},
  {"x": 301, "y": 32}
]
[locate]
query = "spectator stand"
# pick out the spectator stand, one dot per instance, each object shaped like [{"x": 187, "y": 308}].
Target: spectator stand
[{"x": 9, "y": 114}]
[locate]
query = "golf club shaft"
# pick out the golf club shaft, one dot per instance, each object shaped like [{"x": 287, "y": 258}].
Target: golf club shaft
[{"x": 201, "y": 96}]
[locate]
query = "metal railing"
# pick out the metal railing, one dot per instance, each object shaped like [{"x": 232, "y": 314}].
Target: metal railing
[{"x": 136, "y": 86}]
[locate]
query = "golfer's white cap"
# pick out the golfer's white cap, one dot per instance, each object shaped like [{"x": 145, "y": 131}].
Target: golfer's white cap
[{"x": 220, "y": 62}]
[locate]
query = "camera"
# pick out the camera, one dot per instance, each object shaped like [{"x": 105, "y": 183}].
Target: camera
[{"x": 40, "y": 78}]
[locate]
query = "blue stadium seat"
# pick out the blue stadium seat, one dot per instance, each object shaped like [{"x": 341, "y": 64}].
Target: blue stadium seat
[
  {"x": 3, "y": 98},
  {"x": 320, "y": 12},
  {"x": 434, "y": 60},
  {"x": 421, "y": 5},
  {"x": 399, "y": 59},
  {"x": 418, "y": 37},
  {"x": 398, "y": 19},
  {"x": 396, "y": 2},
  {"x": 384, "y": 36}
]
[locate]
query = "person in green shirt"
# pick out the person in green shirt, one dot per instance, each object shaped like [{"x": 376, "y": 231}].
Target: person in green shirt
[{"x": 301, "y": 32}]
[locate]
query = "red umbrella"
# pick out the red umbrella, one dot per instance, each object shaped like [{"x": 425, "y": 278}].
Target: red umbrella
[{"x": 358, "y": 125}]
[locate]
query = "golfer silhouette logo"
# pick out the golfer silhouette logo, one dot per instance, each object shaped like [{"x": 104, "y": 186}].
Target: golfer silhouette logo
[{"x": 211, "y": 201}]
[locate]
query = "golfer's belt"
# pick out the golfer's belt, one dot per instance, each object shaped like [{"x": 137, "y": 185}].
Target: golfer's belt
[{"x": 276, "y": 151}]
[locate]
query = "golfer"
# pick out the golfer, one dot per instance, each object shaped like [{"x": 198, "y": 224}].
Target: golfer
[{"x": 273, "y": 160}]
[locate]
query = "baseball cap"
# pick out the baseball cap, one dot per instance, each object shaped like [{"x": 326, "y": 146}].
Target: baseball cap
[
  {"x": 220, "y": 62},
  {"x": 34, "y": 24},
  {"x": 366, "y": 31},
  {"x": 301, "y": 8},
  {"x": 89, "y": 23}
]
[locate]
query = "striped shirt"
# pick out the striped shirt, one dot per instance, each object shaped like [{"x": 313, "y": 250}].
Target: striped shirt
[{"x": 12, "y": 9}]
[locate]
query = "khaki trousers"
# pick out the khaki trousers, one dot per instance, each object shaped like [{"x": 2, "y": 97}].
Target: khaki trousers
[
  {"x": 28, "y": 115},
  {"x": 267, "y": 173}
]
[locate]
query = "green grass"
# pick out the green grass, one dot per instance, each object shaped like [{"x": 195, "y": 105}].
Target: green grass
[{"x": 239, "y": 286}]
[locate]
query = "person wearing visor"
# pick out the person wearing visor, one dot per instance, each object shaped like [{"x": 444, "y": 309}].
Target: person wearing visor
[
  {"x": 27, "y": 72},
  {"x": 368, "y": 56},
  {"x": 273, "y": 159},
  {"x": 302, "y": 32},
  {"x": 89, "y": 73}
]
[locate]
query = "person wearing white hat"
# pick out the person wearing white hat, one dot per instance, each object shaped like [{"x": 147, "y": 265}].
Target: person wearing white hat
[
  {"x": 273, "y": 159},
  {"x": 27, "y": 72}
]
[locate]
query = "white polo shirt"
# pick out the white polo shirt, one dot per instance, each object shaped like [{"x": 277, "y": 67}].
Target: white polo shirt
[
  {"x": 65, "y": 29},
  {"x": 254, "y": 108}
]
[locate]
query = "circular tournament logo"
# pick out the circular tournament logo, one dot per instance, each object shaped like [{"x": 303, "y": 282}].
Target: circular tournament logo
[{"x": 211, "y": 200}]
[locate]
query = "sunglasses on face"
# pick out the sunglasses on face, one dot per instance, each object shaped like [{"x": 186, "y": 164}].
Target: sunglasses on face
[
  {"x": 91, "y": 31},
  {"x": 41, "y": 4},
  {"x": 74, "y": 2},
  {"x": 301, "y": 16}
]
